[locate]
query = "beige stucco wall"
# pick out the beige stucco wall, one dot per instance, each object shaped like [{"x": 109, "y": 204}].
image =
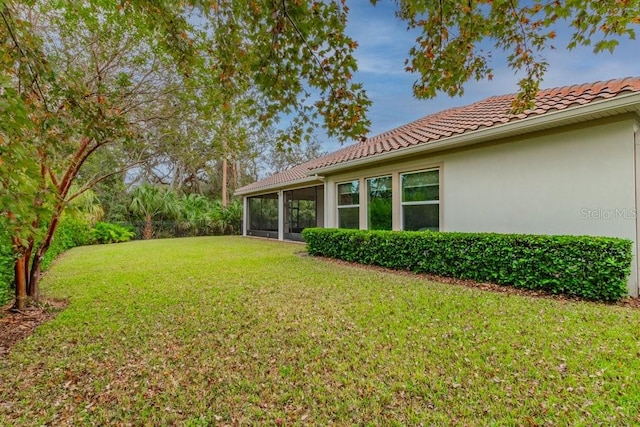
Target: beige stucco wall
[
  {"x": 579, "y": 180},
  {"x": 576, "y": 182}
]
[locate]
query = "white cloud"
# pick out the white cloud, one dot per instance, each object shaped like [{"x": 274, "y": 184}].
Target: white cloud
[{"x": 379, "y": 64}]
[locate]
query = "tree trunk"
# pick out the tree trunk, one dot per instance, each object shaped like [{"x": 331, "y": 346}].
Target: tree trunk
[
  {"x": 224, "y": 181},
  {"x": 147, "y": 232},
  {"x": 33, "y": 289},
  {"x": 21, "y": 284},
  {"x": 27, "y": 259},
  {"x": 236, "y": 175},
  {"x": 233, "y": 174}
]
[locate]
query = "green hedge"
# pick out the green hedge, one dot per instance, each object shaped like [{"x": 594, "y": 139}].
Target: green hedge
[
  {"x": 595, "y": 268},
  {"x": 71, "y": 232},
  {"x": 7, "y": 260}
]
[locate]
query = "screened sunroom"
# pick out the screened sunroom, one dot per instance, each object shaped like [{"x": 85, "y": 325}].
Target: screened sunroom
[
  {"x": 304, "y": 207},
  {"x": 283, "y": 215},
  {"x": 263, "y": 215}
]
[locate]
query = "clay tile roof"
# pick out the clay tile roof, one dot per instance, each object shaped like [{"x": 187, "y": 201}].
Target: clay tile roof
[
  {"x": 493, "y": 111},
  {"x": 290, "y": 175},
  {"x": 296, "y": 173}
]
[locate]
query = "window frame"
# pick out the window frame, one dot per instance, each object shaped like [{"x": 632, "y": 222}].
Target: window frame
[
  {"x": 351, "y": 206},
  {"x": 423, "y": 202},
  {"x": 368, "y": 197}
]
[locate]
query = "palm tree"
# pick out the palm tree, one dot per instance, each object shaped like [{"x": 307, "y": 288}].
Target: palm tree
[
  {"x": 195, "y": 211},
  {"x": 150, "y": 201}
]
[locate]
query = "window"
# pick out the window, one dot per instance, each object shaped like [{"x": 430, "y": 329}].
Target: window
[
  {"x": 349, "y": 204},
  {"x": 421, "y": 200},
  {"x": 379, "y": 203}
]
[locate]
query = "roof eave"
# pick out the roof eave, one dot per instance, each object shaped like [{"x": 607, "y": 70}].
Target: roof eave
[
  {"x": 313, "y": 179},
  {"x": 615, "y": 105}
]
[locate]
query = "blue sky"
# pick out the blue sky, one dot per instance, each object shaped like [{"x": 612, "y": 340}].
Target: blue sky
[{"x": 384, "y": 44}]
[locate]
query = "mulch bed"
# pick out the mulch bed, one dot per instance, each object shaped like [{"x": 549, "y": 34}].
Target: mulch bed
[
  {"x": 17, "y": 325},
  {"x": 491, "y": 287}
]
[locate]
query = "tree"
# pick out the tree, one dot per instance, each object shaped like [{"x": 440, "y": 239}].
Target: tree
[
  {"x": 76, "y": 85},
  {"x": 448, "y": 52},
  {"x": 279, "y": 159},
  {"x": 152, "y": 201}
]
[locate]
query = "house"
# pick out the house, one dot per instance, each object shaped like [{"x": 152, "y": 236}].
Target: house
[{"x": 570, "y": 165}]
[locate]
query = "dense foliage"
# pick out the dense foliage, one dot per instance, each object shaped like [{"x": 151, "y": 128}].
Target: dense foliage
[
  {"x": 104, "y": 232},
  {"x": 159, "y": 212},
  {"x": 595, "y": 268},
  {"x": 7, "y": 259},
  {"x": 71, "y": 232}
]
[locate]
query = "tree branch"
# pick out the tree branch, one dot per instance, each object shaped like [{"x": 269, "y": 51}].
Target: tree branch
[
  {"x": 92, "y": 183},
  {"x": 304, "y": 41},
  {"x": 23, "y": 55}
]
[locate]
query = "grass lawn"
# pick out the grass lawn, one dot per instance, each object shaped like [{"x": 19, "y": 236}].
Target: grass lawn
[{"x": 225, "y": 330}]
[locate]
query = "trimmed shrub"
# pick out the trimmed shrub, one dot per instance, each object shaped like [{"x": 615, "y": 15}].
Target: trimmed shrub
[
  {"x": 71, "y": 232},
  {"x": 594, "y": 268},
  {"x": 105, "y": 232}
]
